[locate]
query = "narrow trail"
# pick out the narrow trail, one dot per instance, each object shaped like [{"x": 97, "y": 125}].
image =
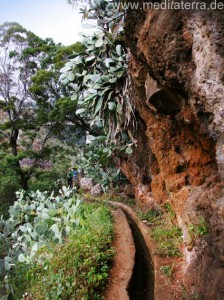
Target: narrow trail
[{"x": 132, "y": 275}]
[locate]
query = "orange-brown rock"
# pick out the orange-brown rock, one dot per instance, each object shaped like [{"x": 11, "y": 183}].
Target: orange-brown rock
[{"x": 176, "y": 65}]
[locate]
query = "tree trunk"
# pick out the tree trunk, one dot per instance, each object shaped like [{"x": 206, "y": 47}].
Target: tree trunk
[{"x": 13, "y": 142}]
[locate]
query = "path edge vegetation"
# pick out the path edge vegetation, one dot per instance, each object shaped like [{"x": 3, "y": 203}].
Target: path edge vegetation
[{"x": 76, "y": 267}]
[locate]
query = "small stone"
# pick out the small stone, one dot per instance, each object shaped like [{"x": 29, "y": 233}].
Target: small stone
[
  {"x": 96, "y": 190},
  {"x": 86, "y": 183}
]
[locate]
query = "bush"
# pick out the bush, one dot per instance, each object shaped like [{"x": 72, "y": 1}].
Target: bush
[
  {"x": 79, "y": 268},
  {"x": 9, "y": 182},
  {"x": 57, "y": 247}
]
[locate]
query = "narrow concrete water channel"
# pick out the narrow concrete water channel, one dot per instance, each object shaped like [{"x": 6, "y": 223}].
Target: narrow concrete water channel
[
  {"x": 133, "y": 271},
  {"x": 141, "y": 286}
]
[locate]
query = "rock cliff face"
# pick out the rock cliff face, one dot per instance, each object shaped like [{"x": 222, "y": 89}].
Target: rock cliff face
[{"x": 176, "y": 63}]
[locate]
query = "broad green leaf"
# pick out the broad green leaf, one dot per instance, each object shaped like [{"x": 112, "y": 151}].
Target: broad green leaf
[
  {"x": 71, "y": 76},
  {"x": 21, "y": 258},
  {"x": 90, "y": 58},
  {"x": 113, "y": 80},
  {"x": 23, "y": 228},
  {"x": 56, "y": 219},
  {"x": 65, "y": 69},
  {"x": 80, "y": 111},
  {"x": 8, "y": 259},
  {"x": 99, "y": 43},
  {"x": 78, "y": 75},
  {"x": 55, "y": 228},
  {"x": 118, "y": 50},
  {"x": 74, "y": 96},
  {"x": 34, "y": 247},
  {"x": 113, "y": 69},
  {"x": 108, "y": 61},
  {"x": 40, "y": 229},
  {"x": 7, "y": 266},
  {"x": 78, "y": 60},
  {"x": 91, "y": 137},
  {"x": 128, "y": 150},
  {"x": 98, "y": 106},
  {"x": 111, "y": 105},
  {"x": 120, "y": 74},
  {"x": 99, "y": 124},
  {"x": 45, "y": 216},
  {"x": 95, "y": 77},
  {"x": 101, "y": 138}
]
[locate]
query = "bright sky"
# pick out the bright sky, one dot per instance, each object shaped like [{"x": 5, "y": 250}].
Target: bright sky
[{"x": 46, "y": 18}]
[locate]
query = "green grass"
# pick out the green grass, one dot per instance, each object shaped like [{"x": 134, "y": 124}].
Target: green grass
[
  {"x": 77, "y": 269},
  {"x": 166, "y": 270},
  {"x": 164, "y": 230},
  {"x": 153, "y": 216},
  {"x": 168, "y": 240}
]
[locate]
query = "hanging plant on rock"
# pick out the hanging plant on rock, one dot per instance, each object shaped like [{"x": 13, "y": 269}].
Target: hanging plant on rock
[{"x": 98, "y": 77}]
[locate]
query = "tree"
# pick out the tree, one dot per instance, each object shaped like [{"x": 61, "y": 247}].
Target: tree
[
  {"x": 54, "y": 98},
  {"x": 22, "y": 131},
  {"x": 34, "y": 106}
]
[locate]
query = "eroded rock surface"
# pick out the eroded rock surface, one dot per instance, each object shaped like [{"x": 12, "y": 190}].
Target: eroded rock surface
[{"x": 176, "y": 63}]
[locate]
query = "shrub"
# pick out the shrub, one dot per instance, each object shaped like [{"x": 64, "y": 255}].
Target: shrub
[
  {"x": 57, "y": 247},
  {"x": 77, "y": 269},
  {"x": 167, "y": 270}
]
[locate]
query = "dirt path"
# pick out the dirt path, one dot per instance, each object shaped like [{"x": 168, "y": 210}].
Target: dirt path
[{"x": 123, "y": 263}]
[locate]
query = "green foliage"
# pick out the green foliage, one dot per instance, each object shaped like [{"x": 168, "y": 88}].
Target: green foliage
[
  {"x": 197, "y": 230},
  {"x": 34, "y": 106},
  {"x": 164, "y": 231},
  {"x": 167, "y": 270},
  {"x": 64, "y": 51},
  {"x": 169, "y": 209},
  {"x": 9, "y": 182},
  {"x": 153, "y": 216},
  {"x": 44, "y": 180},
  {"x": 168, "y": 240},
  {"x": 98, "y": 76},
  {"x": 77, "y": 269},
  {"x": 96, "y": 162},
  {"x": 36, "y": 219},
  {"x": 4, "y": 210},
  {"x": 168, "y": 236}
]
